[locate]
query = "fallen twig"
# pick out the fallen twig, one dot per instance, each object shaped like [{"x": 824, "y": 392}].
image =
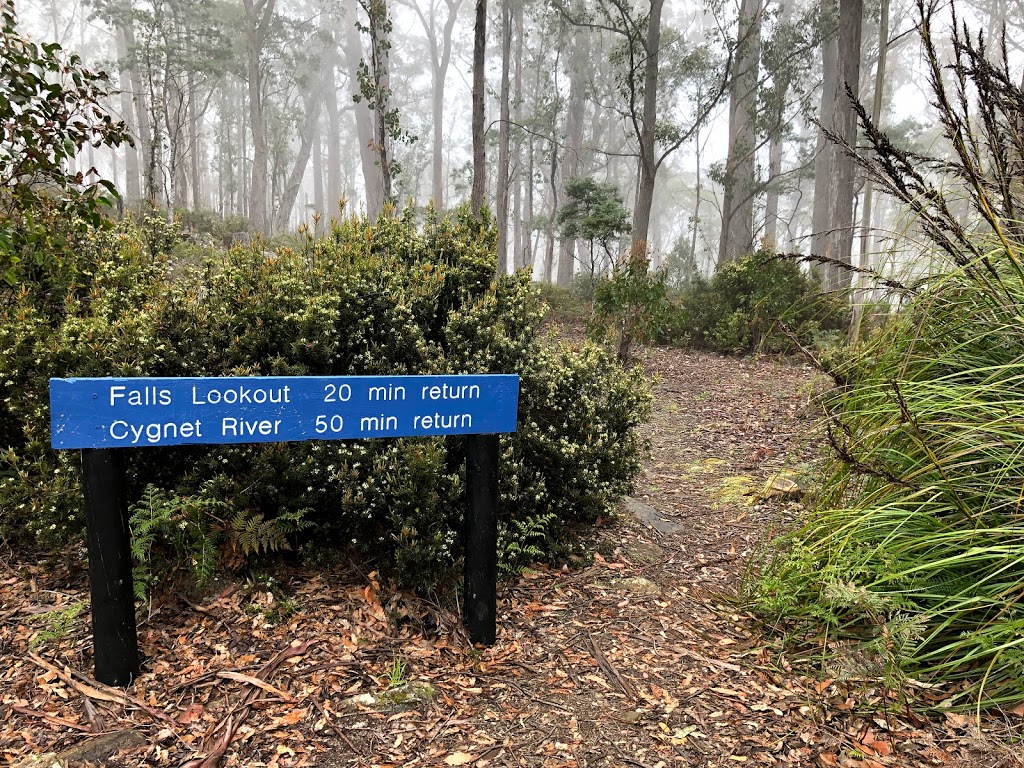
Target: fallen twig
[
  {"x": 52, "y": 719},
  {"x": 531, "y": 697},
  {"x": 609, "y": 671},
  {"x": 569, "y": 669},
  {"x": 330, "y": 724},
  {"x": 100, "y": 692},
  {"x": 238, "y": 677},
  {"x": 230, "y": 723}
]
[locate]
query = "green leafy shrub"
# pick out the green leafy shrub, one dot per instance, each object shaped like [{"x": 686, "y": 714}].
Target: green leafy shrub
[
  {"x": 385, "y": 298},
  {"x": 206, "y": 226},
  {"x": 564, "y": 305},
  {"x": 50, "y": 108},
  {"x": 631, "y": 305},
  {"x": 576, "y": 448},
  {"x": 747, "y": 303}
]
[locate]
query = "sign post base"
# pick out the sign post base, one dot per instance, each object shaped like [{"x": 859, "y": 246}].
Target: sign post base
[
  {"x": 481, "y": 527},
  {"x": 115, "y": 644}
]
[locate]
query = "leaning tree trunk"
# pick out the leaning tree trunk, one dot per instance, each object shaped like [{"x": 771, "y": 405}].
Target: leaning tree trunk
[{"x": 291, "y": 186}]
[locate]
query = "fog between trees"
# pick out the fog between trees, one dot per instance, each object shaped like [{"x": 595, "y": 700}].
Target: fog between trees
[{"x": 703, "y": 116}]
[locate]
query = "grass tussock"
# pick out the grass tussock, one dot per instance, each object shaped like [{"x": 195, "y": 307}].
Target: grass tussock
[{"x": 915, "y": 556}]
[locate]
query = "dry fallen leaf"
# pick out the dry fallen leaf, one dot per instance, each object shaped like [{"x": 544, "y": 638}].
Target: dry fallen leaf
[{"x": 459, "y": 758}]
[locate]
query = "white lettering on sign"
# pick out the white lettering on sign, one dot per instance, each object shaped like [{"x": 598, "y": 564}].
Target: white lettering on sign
[
  {"x": 440, "y": 421},
  {"x": 154, "y": 432},
  {"x": 144, "y": 396},
  {"x": 378, "y": 423},
  {"x": 241, "y": 395},
  {"x": 444, "y": 392},
  {"x": 232, "y": 427},
  {"x": 335, "y": 394},
  {"x": 159, "y": 411},
  {"x": 386, "y": 393}
]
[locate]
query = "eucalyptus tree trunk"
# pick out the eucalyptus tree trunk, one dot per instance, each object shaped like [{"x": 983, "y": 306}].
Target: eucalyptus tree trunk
[
  {"x": 440, "y": 57},
  {"x": 840, "y": 246},
  {"x": 771, "y": 208},
  {"x": 222, "y": 161},
  {"x": 772, "y": 192},
  {"x": 824, "y": 151},
  {"x": 578, "y": 62},
  {"x": 372, "y": 179},
  {"x": 518, "y": 254},
  {"x": 691, "y": 260},
  {"x": 195, "y": 149},
  {"x": 476, "y": 199},
  {"x": 331, "y": 207},
  {"x": 146, "y": 150},
  {"x": 548, "y": 268},
  {"x": 318, "y": 176},
  {"x": 861, "y": 294},
  {"x": 737, "y": 236},
  {"x": 648, "y": 166},
  {"x": 440, "y": 76},
  {"x": 294, "y": 181},
  {"x": 132, "y": 190},
  {"x": 503, "y": 136},
  {"x": 243, "y": 153},
  {"x": 528, "y": 256},
  {"x": 549, "y": 252},
  {"x": 379, "y": 65},
  {"x": 258, "y": 15}
]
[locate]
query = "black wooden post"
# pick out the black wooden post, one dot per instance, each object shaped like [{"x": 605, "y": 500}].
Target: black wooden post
[
  {"x": 115, "y": 644},
  {"x": 481, "y": 561}
]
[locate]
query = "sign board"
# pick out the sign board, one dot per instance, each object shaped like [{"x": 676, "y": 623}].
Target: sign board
[{"x": 140, "y": 412}]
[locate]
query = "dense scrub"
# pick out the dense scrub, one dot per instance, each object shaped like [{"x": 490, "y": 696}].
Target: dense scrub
[
  {"x": 762, "y": 303},
  {"x": 392, "y": 297}
]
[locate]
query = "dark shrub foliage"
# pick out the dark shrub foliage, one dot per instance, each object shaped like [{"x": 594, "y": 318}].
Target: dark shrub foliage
[
  {"x": 391, "y": 297},
  {"x": 759, "y": 303}
]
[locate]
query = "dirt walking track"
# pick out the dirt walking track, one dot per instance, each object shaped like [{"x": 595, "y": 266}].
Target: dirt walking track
[{"x": 640, "y": 659}]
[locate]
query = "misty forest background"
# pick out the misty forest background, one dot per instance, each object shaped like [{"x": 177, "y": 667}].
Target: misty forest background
[{"x": 706, "y": 118}]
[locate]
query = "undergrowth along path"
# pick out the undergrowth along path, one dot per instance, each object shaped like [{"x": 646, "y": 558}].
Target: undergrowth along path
[{"x": 640, "y": 659}]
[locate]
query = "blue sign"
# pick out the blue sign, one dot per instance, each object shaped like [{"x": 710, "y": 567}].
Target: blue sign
[{"x": 130, "y": 413}]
